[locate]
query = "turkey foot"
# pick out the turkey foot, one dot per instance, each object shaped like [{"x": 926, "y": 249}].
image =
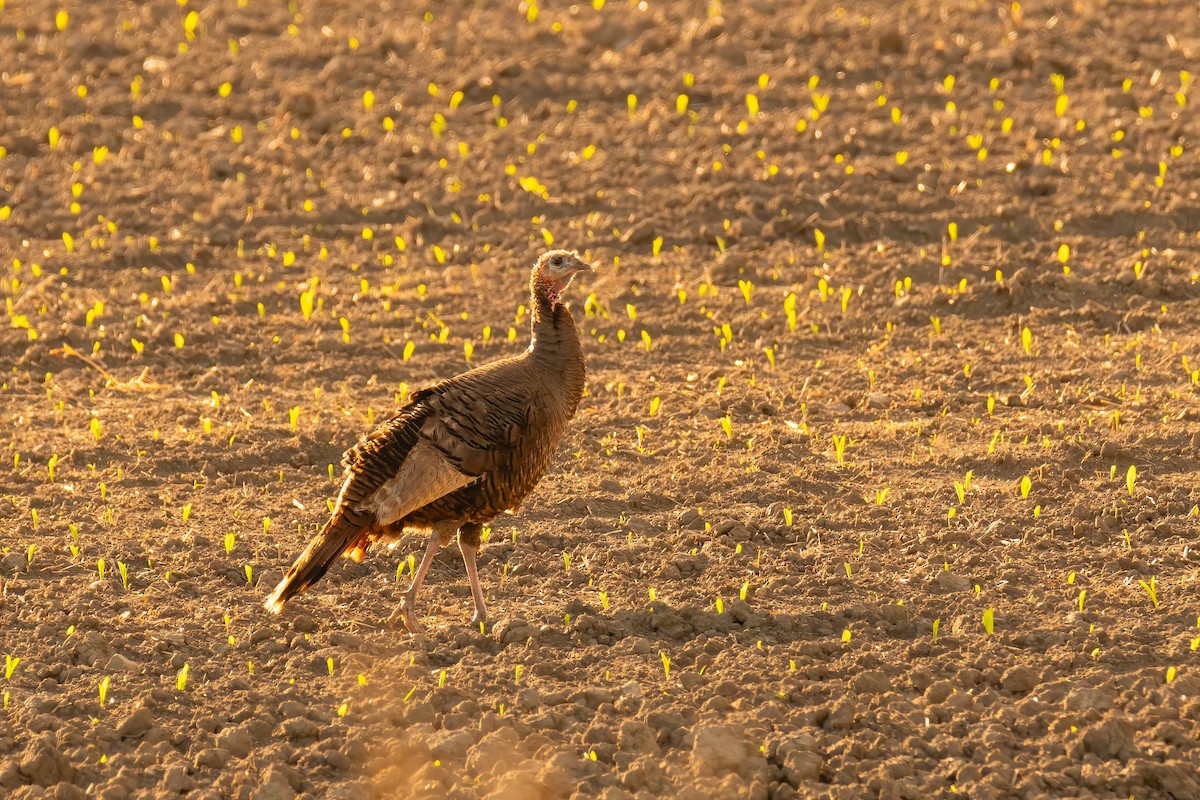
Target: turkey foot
[{"x": 405, "y": 614}]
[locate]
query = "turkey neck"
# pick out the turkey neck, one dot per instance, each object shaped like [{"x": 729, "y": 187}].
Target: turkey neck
[{"x": 554, "y": 345}]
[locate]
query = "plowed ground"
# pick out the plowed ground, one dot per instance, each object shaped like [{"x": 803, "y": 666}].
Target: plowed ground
[{"x": 884, "y": 484}]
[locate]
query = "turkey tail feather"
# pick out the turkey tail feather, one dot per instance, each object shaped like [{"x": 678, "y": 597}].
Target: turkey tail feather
[{"x": 338, "y": 534}]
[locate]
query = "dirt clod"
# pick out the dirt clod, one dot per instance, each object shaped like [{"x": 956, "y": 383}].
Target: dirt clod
[
  {"x": 1088, "y": 699},
  {"x": 1019, "y": 679},
  {"x": 1111, "y": 738},
  {"x": 44, "y": 764},
  {"x": 235, "y": 741},
  {"x": 882, "y": 481},
  {"x": 136, "y": 724},
  {"x": 953, "y": 583},
  {"x": 274, "y": 786},
  {"x": 870, "y": 682},
  {"x": 718, "y": 749}
]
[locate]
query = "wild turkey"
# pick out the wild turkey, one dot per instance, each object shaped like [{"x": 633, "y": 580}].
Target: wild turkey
[{"x": 460, "y": 452}]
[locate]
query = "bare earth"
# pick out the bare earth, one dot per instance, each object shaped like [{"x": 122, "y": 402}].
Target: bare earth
[{"x": 884, "y": 484}]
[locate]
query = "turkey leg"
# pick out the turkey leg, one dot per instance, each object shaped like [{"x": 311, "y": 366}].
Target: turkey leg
[
  {"x": 409, "y": 602},
  {"x": 468, "y": 543}
]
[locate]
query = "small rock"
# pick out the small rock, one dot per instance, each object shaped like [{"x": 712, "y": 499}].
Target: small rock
[
  {"x": 119, "y": 663},
  {"x": 718, "y": 748},
  {"x": 1019, "y": 679}
]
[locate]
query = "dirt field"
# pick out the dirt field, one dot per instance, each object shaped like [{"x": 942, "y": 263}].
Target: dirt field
[{"x": 884, "y": 483}]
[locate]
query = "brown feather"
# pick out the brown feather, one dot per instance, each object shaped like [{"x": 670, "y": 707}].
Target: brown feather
[{"x": 323, "y": 550}]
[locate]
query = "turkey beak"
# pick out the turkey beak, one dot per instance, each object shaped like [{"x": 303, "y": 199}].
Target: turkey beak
[{"x": 586, "y": 267}]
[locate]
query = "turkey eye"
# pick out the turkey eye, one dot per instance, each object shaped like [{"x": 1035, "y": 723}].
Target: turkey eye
[{"x": 556, "y": 262}]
